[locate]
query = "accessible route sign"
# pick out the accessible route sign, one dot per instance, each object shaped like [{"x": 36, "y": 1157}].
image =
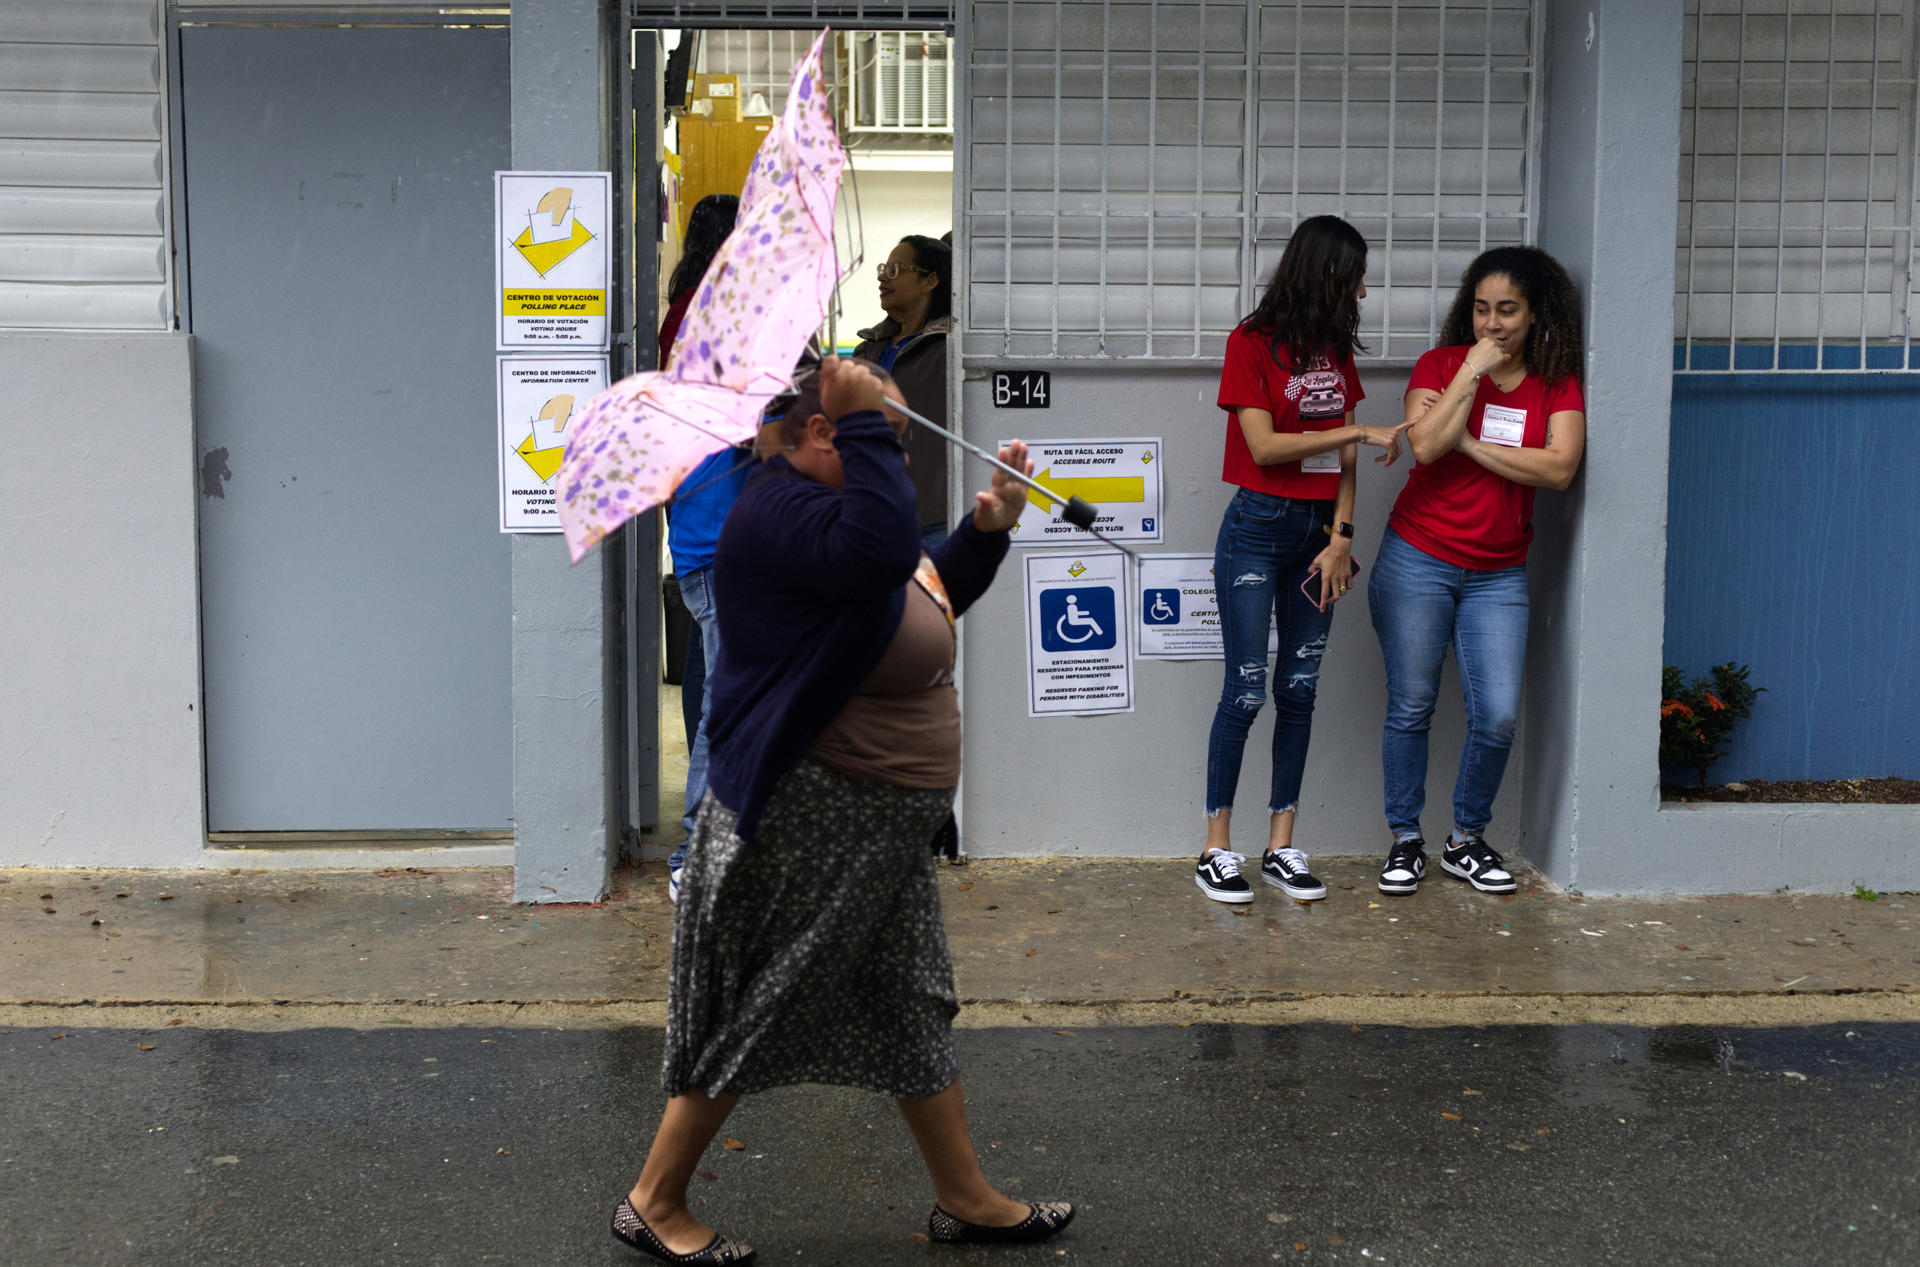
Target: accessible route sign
[
  {"x": 1120, "y": 477},
  {"x": 552, "y": 263}
]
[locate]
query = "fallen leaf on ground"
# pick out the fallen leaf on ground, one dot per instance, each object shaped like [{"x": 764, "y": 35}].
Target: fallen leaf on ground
[
  {"x": 1055, "y": 911},
  {"x": 731, "y": 1142},
  {"x": 1451, "y": 1117},
  {"x": 46, "y": 897},
  {"x": 49, "y": 910},
  {"x": 1545, "y": 1130},
  {"x": 1355, "y": 1029},
  {"x": 144, "y": 1046},
  {"x": 922, "y": 1238},
  {"x": 52, "y": 1037},
  {"x": 966, "y": 885},
  {"x": 503, "y": 1152},
  {"x": 1032, "y": 951},
  {"x": 229, "y": 1160},
  {"x": 1469, "y": 1091},
  {"x": 1065, "y": 1033},
  {"x": 163, "y": 897}
]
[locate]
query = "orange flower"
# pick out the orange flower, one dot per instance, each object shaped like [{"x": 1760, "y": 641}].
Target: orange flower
[
  {"x": 1670, "y": 707},
  {"x": 1713, "y": 702}
]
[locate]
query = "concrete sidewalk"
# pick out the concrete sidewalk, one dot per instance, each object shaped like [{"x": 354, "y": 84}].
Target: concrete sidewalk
[{"x": 1026, "y": 935}]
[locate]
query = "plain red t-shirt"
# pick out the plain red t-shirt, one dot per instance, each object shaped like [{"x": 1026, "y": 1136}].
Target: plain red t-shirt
[
  {"x": 1316, "y": 398},
  {"x": 1459, "y": 511}
]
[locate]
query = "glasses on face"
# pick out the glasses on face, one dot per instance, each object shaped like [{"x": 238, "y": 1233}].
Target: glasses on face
[{"x": 890, "y": 269}]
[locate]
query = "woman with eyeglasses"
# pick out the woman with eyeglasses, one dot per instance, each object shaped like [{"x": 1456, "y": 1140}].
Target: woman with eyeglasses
[
  {"x": 808, "y": 945},
  {"x": 916, "y": 292}
]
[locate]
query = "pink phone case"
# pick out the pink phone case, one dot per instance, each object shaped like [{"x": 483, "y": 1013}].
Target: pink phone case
[{"x": 1311, "y": 597}]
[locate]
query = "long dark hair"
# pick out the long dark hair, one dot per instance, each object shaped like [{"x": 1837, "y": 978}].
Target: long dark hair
[
  {"x": 1310, "y": 307},
  {"x": 937, "y": 258},
  {"x": 708, "y": 225},
  {"x": 1555, "y": 347}
]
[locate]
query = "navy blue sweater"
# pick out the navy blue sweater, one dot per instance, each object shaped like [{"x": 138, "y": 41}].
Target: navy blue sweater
[{"x": 809, "y": 587}]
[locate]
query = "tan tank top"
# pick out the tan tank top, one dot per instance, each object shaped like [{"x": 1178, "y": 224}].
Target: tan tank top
[{"x": 903, "y": 725}]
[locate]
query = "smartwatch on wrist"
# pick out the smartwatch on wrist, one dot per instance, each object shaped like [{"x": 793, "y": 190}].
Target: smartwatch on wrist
[{"x": 1342, "y": 528}]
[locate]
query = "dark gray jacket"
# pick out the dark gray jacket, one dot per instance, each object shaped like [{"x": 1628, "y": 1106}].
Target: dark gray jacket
[{"x": 921, "y": 372}]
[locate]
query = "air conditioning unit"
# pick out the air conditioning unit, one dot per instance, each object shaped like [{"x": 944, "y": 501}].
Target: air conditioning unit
[{"x": 901, "y": 81}]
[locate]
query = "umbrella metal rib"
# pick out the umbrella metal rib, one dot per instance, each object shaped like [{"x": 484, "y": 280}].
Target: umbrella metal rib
[{"x": 1076, "y": 511}]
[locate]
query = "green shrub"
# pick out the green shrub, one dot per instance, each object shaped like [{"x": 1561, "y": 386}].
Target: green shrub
[{"x": 1697, "y": 718}]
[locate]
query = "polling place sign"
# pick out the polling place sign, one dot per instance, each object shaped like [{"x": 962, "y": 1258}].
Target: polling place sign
[{"x": 552, "y": 262}]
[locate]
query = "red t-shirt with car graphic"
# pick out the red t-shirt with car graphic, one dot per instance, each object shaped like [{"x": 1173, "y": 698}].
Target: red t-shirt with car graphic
[{"x": 1316, "y": 397}]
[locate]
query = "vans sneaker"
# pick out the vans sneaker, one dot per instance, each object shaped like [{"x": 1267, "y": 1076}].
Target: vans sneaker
[
  {"x": 1218, "y": 875},
  {"x": 1406, "y": 863},
  {"x": 1286, "y": 870},
  {"x": 1471, "y": 860}
]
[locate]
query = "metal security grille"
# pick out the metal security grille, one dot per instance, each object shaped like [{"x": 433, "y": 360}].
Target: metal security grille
[
  {"x": 791, "y": 14},
  {"x": 1134, "y": 168},
  {"x": 1797, "y": 186}
]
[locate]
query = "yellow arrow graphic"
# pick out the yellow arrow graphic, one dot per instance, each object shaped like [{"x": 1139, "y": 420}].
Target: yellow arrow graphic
[
  {"x": 545, "y": 462},
  {"x": 1098, "y": 489}
]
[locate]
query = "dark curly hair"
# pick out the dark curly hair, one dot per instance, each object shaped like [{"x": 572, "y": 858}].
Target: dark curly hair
[
  {"x": 937, "y": 258},
  {"x": 1310, "y": 308},
  {"x": 708, "y": 225},
  {"x": 1555, "y": 347}
]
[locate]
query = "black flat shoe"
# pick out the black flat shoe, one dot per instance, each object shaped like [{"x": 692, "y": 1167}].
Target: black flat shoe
[
  {"x": 632, "y": 1230},
  {"x": 1047, "y": 1217}
]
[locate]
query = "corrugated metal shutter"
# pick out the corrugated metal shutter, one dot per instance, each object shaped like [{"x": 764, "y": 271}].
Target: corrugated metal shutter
[
  {"x": 1797, "y": 185},
  {"x": 82, "y": 222},
  {"x": 1124, "y": 200}
]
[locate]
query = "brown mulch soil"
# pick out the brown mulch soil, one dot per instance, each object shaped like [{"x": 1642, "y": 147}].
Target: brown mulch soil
[{"x": 1834, "y": 792}]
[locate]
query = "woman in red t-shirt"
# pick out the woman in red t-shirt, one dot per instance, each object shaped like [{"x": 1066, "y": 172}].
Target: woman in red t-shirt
[
  {"x": 1285, "y": 547},
  {"x": 1494, "y": 413}
]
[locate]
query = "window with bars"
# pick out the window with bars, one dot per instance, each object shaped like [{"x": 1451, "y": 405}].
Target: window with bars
[
  {"x": 1797, "y": 186},
  {"x": 1133, "y": 168}
]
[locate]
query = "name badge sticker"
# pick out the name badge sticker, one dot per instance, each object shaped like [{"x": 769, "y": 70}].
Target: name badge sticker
[
  {"x": 1502, "y": 425},
  {"x": 1327, "y": 463}
]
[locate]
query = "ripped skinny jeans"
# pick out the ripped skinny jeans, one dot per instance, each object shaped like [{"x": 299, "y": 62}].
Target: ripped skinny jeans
[{"x": 1267, "y": 545}]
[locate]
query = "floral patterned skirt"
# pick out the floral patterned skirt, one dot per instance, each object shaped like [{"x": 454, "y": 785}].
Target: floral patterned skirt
[{"x": 815, "y": 951}]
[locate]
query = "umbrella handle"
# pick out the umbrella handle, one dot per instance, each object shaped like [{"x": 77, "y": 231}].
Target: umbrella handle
[{"x": 1079, "y": 513}]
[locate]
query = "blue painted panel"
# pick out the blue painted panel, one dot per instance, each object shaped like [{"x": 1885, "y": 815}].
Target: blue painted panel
[{"x": 1793, "y": 545}]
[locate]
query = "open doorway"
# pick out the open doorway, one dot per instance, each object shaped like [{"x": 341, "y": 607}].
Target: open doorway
[{"x": 718, "y": 92}]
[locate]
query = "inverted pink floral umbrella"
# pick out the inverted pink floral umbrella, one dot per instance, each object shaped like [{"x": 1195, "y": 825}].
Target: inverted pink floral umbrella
[{"x": 764, "y": 296}]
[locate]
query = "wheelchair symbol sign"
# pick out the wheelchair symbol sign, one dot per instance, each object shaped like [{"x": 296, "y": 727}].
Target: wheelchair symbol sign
[
  {"x": 1160, "y": 607},
  {"x": 1079, "y": 619}
]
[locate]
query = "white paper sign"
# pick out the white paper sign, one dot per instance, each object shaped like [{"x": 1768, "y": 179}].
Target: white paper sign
[
  {"x": 552, "y": 265},
  {"x": 1178, "y": 611},
  {"x": 1327, "y": 463},
  {"x": 538, "y": 397},
  {"x": 1077, "y": 625},
  {"x": 1120, "y": 477},
  {"x": 1500, "y": 424}
]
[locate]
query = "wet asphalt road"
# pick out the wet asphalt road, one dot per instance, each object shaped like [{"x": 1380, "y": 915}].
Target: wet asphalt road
[{"x": 1201, "y": 1144}]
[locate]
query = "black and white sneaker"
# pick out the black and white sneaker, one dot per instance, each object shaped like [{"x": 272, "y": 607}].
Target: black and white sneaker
[
  {"x": 1471, "y": 860},
  {"x": 1286, "y": 870},
  {"x": 1406, "y": 863},
  {"x": 1218, "y": 875}
]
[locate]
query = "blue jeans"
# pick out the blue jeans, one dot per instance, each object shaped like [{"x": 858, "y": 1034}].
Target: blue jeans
[
  {"x": 1420, "y": 604},
  {"x": 1266, "y": 547},
  {"x": 696, "y": 590}
]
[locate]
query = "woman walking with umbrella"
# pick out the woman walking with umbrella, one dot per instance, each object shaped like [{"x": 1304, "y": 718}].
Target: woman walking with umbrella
[{"x": 807, "y": 943}]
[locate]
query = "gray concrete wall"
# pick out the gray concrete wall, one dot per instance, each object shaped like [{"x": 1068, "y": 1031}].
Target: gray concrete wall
[
  {"x": 564, "y": 779},
  {"x": 100, "y": 684},
  {"x": 1133, "y": 785}
]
